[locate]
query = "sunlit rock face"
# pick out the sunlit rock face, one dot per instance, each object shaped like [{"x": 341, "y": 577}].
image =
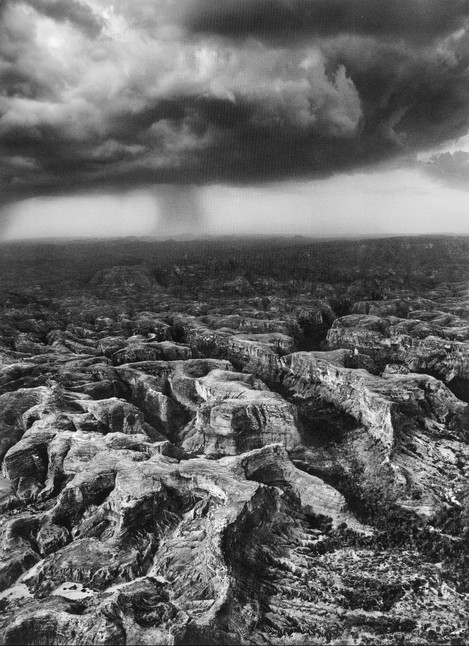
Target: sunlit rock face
[
  {"x": 257, "y": 353},
  {"x": 428, "y": 341},
  {"x": 411, "y": 425},
  {"x": 261, "y": 462},
  {"x": 438, "y": 345},
  {"x": 237, "y": 416}
]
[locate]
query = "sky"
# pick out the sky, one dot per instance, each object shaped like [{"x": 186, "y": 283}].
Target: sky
[{"x": 165, "y": 117}]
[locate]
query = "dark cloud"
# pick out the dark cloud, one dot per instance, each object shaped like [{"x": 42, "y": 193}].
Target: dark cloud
[
  {"x": 119, "y": 95},
  {"x": 419, "y": 20},
  {"x": 418, "y": 97}
]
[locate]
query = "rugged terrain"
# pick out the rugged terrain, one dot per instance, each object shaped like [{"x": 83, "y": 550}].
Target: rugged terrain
[{"x": 235, "y": 442}]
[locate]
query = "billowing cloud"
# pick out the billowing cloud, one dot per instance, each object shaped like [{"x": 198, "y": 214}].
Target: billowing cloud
[
  {"x": 450, "y": 168},
  {"x": 76, "y": 12},
  {"x": 97, "y": 94}
]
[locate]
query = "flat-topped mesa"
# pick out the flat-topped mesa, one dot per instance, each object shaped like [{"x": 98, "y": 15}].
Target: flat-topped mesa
[
  {"x": 258, "y": 354},
  {"x": 414, "y": 421},
  {"x": 240, "y": 414},
  {"x": 440, "y": 312},
  {"x": 388, "y": 307},
  {"x": 439, "y": 347},
  {"x": 249, "y": 325},
  {"x": 324, "y": 375},
  {"x": 143, "y": 350},
  {"x": 207, "y": 408},
  {"x": 381, "y": 404}
]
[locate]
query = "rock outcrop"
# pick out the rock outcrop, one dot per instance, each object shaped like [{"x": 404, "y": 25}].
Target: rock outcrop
[
  {"x": 414, "y": 423},
  {"x": 238, "y": 414},
  {"x": 257, "y": 353},
  {"x": 431, "y": 347}
]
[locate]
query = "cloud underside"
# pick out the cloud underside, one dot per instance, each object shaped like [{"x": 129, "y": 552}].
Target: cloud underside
[
  {"x": 96, "y": 95},
  {"x": 417, "y": 20}
]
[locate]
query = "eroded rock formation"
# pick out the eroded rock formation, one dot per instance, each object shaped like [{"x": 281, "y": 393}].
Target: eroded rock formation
[{"x": 236, "y": 459}]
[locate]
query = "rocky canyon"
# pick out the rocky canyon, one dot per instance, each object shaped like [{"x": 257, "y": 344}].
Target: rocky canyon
[{"x": 235, "y": 441}]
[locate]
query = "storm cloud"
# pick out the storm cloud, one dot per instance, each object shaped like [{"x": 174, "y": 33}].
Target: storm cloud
[
  {"x": 97, "y": 94},
  {"x": 417, "y": 20}
]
